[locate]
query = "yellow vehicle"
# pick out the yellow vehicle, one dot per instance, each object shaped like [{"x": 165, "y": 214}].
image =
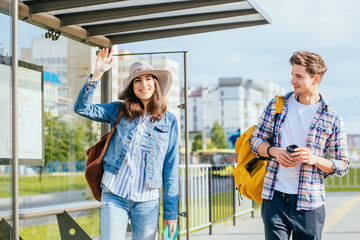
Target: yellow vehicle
[
  {"x": 223, "y": 160},
  {"x": 217, "y": 156}
]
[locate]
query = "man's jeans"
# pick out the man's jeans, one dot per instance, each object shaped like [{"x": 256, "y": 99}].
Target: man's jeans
[
  {"x": 281, "y": 219},
  {"x": 114, "y": 216}
]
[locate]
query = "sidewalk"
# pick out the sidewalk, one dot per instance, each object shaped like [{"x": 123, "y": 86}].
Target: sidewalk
[{"x": 342, "y": 222}]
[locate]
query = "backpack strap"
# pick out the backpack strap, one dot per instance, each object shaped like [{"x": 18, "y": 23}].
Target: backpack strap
[{"x": 280, "y": 101}]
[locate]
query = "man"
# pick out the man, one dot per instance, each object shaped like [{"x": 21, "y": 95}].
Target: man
[{"x": 293, "y": 191}]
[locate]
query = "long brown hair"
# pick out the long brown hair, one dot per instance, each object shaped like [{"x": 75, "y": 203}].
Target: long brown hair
[{"x": 156, "y": 107}]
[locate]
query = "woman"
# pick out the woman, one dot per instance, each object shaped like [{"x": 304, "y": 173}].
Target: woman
[{"x": 142, "y": 155}]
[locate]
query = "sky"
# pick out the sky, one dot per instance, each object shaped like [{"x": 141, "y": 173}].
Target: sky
[{"x": 327, "y": 27}]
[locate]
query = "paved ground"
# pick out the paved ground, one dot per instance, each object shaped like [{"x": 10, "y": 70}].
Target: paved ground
[{"x": 342, "y": 222}]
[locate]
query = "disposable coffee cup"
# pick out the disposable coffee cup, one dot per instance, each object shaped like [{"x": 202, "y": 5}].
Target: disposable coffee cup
[{"x": 291, "y": 149}]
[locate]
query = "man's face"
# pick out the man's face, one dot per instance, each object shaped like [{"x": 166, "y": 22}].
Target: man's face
[{"x": 302, "y": 82}]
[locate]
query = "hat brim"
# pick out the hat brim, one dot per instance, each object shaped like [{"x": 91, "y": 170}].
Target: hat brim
[{"x": 164, "y": 78}]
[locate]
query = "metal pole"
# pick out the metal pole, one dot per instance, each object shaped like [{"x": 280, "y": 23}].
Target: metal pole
[
  {"x": 203, "y": 136},
  {"x": 106, "y": 93},
  {"x": 15, "y": 160},
  {"x": 186, "y": 151},
  {"x": 210, "y": 200},
  {"x": 233, "y": 197}
]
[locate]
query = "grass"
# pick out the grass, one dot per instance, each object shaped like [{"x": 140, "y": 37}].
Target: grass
[
  {"x": 50, "y": 230},
  {"x": 30, "y": 185}
]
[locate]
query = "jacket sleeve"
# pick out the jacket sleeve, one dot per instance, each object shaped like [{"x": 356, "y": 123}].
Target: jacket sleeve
[
  {"x": 263, "y": 131},
  {"x": 171, "y": 175},
  {"x": 97, "y": 112}
]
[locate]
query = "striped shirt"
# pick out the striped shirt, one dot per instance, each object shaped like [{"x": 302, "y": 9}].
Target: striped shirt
[
  {"x": 326, "y": 134},
  {"x": 129, "y": 183}
]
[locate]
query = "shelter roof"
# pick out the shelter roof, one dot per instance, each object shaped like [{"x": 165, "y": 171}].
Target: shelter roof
[{"x": 106, "y": 22}]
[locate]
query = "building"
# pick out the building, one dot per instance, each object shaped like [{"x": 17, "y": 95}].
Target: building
[
  {"x": 4, "y": 52},
  {"x": 59, "y": 101},
  {"x": 68, "y": 61},
  {"x": 235, "y": 103}
]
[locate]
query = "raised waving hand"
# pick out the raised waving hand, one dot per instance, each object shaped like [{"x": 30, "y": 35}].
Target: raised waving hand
[{"x": 104, "y": 62}]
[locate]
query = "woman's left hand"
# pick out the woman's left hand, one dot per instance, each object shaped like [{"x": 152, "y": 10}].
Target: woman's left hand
[{"x": 172, "y": 226}]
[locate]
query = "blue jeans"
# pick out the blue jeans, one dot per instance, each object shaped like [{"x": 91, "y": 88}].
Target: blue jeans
[{"x": 114, "y": 217}]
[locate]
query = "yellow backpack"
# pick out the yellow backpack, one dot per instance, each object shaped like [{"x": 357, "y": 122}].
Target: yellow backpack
[{"x": 250, "y": 171}]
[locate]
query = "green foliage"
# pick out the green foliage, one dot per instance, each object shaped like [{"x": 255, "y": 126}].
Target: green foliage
[
  {"x": 65, "y": 140},
  {"x": 197, "y": 143},
  {"x": 218, "y": 136},
  {"x": 218, "y": 139},
  {"x": 80, "y": 143},
  {"x": 30, "y": 185},
  {"x": 91, "y": 134}
]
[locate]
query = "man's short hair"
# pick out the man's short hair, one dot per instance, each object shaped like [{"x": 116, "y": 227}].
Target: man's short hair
[{"x": 313, "y": 62}]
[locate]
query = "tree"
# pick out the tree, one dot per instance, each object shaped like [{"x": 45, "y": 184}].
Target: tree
[
  {"x": 81, "y": 144},
  {"x": 92, "y": 133},
  {"x": 218, "y": 136},
  {"x": 197, "y": 143},
  {"x": 64, "y": 141}
]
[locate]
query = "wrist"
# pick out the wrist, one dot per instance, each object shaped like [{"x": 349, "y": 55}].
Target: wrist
[
  {"x": 269, "y": 152},
  {"x": 96, "y": 76},
  {"x": 315, "y": 159}
]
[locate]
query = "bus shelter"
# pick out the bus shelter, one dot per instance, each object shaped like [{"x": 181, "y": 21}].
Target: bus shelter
[{"x": 110, "y": 22}]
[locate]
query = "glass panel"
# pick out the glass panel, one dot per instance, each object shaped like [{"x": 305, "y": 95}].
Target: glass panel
[
  {"x": 60, "y": 180},
  {"x": 5, "y": 135}
]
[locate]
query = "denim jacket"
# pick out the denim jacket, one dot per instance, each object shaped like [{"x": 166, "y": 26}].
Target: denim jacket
[{"x": 161, "y": 138}]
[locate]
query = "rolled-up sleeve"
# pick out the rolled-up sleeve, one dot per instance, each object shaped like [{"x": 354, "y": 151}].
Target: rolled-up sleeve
[{"x": 338, "y": 151}]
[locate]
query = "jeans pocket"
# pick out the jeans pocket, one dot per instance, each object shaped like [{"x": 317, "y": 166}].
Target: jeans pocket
[{"x": 105, "y": 189}]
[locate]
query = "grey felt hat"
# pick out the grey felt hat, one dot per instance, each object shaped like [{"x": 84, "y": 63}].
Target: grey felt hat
[{"x": 164, "y": 77}]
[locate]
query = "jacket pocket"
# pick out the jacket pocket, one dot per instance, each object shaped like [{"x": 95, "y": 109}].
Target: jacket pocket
[
  {"x": 161, "y": 138},
  {"x": 163, "y": 128},
  {"x": 162, "y": 133}
]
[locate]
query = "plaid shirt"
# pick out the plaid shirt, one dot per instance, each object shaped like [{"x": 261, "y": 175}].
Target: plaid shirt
[{"x": 326, "y": 133}]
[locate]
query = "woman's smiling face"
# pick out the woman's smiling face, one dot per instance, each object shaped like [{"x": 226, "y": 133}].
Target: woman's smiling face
[{"x": 144, "y": 88}]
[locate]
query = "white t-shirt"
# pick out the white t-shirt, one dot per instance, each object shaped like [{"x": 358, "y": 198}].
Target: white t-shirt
[{"x": 294, "y": 131}]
